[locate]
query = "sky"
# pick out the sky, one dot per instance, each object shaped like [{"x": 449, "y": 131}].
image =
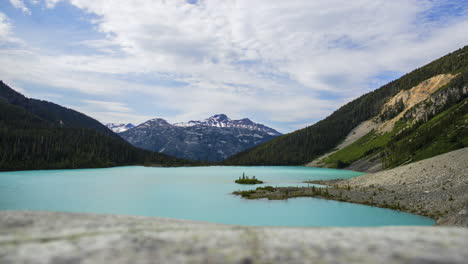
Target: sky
[{"x": 284, "y": 63}]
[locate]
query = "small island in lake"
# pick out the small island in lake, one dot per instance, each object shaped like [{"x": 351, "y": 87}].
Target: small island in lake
[{"x": 247, "y": 180}]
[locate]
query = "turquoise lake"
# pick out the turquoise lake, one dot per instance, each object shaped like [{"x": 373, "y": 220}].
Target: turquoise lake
[{"x": 199, "y": 193}]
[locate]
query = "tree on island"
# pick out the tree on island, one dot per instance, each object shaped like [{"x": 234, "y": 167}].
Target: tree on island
[{"x": 247, "y": 180}]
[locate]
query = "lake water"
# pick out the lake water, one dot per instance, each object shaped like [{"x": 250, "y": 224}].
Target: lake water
[{"x": 200, "y": 193}]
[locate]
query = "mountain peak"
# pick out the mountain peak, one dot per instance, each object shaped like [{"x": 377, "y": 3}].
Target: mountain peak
[
  {"x": 119, "y": 127},
  {"x": 246, "y": 120},
  {"x": 220, "y": 117},
  {"x": 220, "y": 120},
  {"x": 157, "y": 121}
]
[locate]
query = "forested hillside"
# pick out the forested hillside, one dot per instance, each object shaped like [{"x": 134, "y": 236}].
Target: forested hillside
[
  {"x": 33, "y": 137},
  {"x": 56, "y": 114},
  {"x": 302, "y": 146}
]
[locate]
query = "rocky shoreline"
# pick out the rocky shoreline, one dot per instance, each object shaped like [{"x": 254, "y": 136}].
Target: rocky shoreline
[
  {"x": 53, "y": 237},
  {"x": 435, "y": 187}
]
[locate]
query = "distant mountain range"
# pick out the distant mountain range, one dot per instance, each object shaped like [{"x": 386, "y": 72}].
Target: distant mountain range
[
  {"x": 212, "y": 139},
  {"x": 418, "y": 116}
]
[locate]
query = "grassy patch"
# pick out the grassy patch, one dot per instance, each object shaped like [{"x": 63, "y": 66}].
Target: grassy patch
[
  {"x": 260, "y": 190},
  {"x": 366, "y": 145}
]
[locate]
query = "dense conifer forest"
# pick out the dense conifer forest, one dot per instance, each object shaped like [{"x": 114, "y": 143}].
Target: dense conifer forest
[
  {"x": 36, "y": 134},
  {"x": 302, "y": 146}
]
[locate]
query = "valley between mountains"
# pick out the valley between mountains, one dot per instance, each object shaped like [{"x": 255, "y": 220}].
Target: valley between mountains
[
  {"x": 419, "y": 116},
  {"x": 244, "y": 132}
]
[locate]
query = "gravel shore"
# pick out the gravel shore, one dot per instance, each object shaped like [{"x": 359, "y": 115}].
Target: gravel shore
[{"x": 435, "y": 187}]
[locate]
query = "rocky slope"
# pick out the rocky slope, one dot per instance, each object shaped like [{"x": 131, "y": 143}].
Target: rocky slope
[
  {"x": 437, "y": 187},
  {"x": 397, "y": 106},
  {"x": 47, "y": 237},
  {"x": 212, "y": 139},
  {"x": 421, "y": 122}
]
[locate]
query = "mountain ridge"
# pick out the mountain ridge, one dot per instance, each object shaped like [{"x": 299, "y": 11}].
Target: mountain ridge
[
  {"x": 119, "y": 127},
  {"x": 54, "y": 113},
  {"x": 222, "y": 120}
]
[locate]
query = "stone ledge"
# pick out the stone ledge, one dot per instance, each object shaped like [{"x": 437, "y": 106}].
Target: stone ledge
[{"x": 52, "y": 237}]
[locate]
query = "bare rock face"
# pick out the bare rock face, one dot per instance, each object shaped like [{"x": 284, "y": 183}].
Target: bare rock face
[
  {"x": 405, "y": 100},
  {"x": 435, "y": 104},
  {"x": 48, "y": 237}
]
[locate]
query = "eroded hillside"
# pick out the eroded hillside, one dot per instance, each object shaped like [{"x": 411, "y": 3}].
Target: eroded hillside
[
  {"x": 402, "y": 102},
  {"x": 426, "y": 120},
  {"x": 441, "y": 86}
]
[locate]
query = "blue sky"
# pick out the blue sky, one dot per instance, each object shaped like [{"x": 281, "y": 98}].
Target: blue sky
[{"x": 286, "y": 64}]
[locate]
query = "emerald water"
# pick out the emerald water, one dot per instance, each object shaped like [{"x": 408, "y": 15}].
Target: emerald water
[{"x": 200, "y": 193}]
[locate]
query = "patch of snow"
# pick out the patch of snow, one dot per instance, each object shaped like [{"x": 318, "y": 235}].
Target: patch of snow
[{"x": 119, "y": 128}]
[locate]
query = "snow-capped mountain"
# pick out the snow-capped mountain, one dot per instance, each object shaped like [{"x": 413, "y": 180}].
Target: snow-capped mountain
[
  {"x": 119, "y": 128},
  {"x": 222, "y": 120},
  {"x": 212, "y": 139}
]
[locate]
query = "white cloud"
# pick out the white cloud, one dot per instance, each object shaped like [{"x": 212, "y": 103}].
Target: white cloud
[
  {"x": 109, "y": 106},
  {"x": 306, "y": 40},
  {"x": 52, "y": 3},
  {"x": 272, "y": 58},
  {"x": 105, "y": 117},
  {"x": 7, "y": 37},
  {"x": 109, "y": 112},
  {"x": 20, "y": 5},
  {"x": 5, "y": 28}
]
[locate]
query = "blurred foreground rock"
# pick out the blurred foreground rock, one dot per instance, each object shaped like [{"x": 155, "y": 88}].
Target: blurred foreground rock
[{"x": 48, "y": 237}]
